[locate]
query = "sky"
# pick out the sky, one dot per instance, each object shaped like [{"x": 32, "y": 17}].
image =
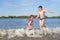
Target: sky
[{"x": 28, "y": 7}]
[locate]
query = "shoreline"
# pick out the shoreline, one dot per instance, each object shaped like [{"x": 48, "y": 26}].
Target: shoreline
[
  {"x": 19, "y": 34},
  {"x": 27, "y": 16},
  {"x": 32, "y": 38}
]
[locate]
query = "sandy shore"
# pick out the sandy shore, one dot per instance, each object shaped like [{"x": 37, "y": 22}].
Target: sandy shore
[
  {"x": 21, "y": 34},
  {"x": 46, "y": 37}
]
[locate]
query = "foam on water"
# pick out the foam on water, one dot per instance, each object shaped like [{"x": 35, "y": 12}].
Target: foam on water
[{"x": 11, "y": 33}]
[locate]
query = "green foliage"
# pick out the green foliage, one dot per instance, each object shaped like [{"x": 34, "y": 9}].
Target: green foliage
[
  {"x": 55, "y": 17},
  {"x": 3, "y": 17},
  {"x": 26, "y": 16}
]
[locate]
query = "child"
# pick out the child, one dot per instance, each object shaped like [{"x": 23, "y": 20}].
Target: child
[
  {"x": 30, "y": 25},
  {"x": 41, "y": 14}
]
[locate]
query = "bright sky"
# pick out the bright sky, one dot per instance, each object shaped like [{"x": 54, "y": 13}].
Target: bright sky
[{"x": 28, "y": 7}]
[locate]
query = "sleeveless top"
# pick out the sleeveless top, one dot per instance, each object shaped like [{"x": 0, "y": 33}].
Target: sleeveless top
[{"x": 30, "y": 23}]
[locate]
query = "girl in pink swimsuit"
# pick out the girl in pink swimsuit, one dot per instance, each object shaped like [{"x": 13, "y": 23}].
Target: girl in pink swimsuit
[{"x": 30, "y": 25}]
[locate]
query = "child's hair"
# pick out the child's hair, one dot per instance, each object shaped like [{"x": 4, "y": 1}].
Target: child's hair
[
  {"x": 39, "y": 6},
  {"x": 31, "y": 16}
]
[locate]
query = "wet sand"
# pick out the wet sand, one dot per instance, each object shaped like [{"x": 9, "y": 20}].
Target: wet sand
[
  {"x": 46, "y": 37},
  {"x": 11, "y": 35}
]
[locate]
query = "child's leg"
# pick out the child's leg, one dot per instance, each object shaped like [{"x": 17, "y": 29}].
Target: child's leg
[
  {"x": 41, "y": 23},
  {"x": 30, "y": 28}
]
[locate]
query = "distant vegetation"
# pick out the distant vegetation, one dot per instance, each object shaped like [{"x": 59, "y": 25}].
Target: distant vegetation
[
  {"x": 16, "y": 16},
  {"x": 55, "y": 17},
  {"x": 26, "y": 16}
]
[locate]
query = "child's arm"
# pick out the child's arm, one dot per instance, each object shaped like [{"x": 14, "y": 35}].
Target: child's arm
[
  {"x": 29, "y": 22},
  {"x": 37, "y": 16},
  {"x": 48, "y": 11}
]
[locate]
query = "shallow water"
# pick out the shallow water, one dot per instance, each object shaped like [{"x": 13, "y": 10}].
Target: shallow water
[
  {"x": 22, "y": 23},
  {"x": 16, "y": 30}
]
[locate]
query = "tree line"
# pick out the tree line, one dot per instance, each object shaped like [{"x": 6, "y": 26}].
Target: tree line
[{"x": 26, "y": 16}]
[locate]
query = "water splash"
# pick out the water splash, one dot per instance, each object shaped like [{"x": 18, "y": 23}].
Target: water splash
[{"x": 11, "y": 33}]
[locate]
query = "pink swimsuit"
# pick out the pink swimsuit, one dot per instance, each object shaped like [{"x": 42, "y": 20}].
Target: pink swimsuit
[{"x": 29, "y": 25}]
